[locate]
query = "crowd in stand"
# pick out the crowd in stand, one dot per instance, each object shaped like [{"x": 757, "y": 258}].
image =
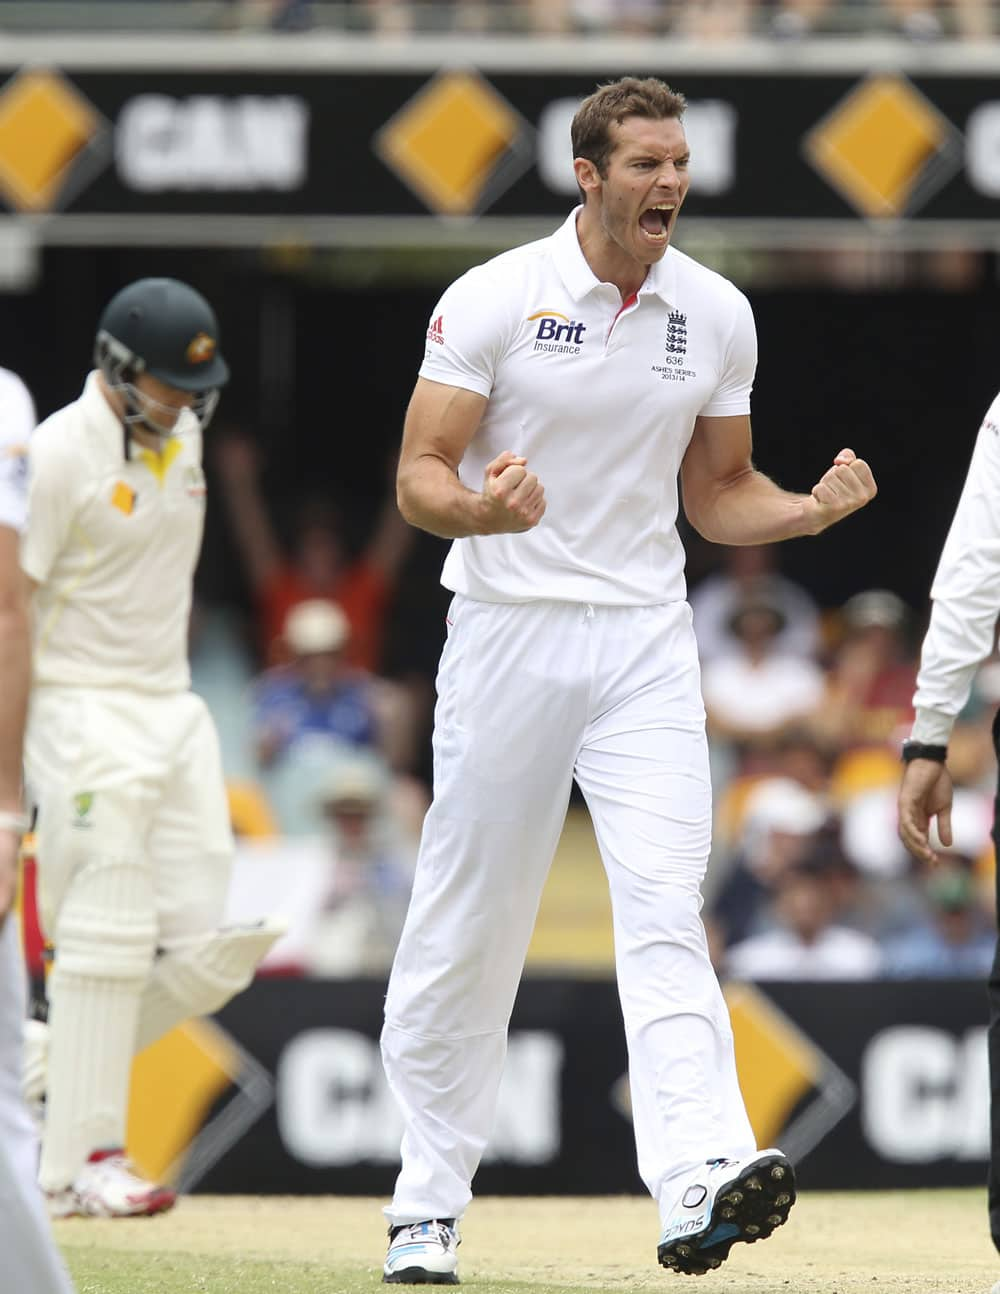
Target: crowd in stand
[
  {"x": 721, "y": 20},
  {"x": 806, "y": 707},
  {"x": 708, "y": 20},
  {"x": 806, "y": 712}
]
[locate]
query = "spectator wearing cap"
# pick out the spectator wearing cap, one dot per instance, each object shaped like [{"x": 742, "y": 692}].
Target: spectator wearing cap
[
  {"x": 750, "y": 573},
  {"x": 356, "y": 926},
  {"x": 807, "y": 942},
  {"x": 318, "y": 707},
  {"x": 873, "y": 674},
  {"x": 318, "y": 693},
  {"x": 754, "y": 691},
  {"x": 781, "y": 821}
]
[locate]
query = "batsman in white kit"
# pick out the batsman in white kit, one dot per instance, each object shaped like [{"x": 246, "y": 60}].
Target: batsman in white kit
[
  {"x": 565, "y": 386},
  {"x": 28, "y": 1256},
  {"x": 122, "y": 760}
]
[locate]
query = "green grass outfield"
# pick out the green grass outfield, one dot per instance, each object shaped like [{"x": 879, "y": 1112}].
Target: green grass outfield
[{"x": 917, "y": 1242}]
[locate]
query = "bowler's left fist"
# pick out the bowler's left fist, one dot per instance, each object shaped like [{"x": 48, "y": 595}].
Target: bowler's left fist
[{"x": 841, "y": 490}]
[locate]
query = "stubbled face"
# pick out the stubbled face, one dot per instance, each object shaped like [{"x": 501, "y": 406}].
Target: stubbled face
[{"x": 646, "y": 182}]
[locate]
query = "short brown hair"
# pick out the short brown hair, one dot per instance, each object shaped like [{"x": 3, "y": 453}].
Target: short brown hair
[{"x": 630, "y": 96}]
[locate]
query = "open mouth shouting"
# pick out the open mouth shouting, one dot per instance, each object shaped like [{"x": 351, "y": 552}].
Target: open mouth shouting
[{"x": 655, "y": 222}]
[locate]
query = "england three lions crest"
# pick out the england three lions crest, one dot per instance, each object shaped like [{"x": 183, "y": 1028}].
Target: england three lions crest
[{"x": 676, "y": 342}]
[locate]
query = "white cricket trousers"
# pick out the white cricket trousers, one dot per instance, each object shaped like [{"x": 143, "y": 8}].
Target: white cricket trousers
[
  {"x": 29, "y": 1260},
  {"x": 530, "y": 695},
  {"x": 134, "y": 856},
  {"x": 137, "y": 775}
]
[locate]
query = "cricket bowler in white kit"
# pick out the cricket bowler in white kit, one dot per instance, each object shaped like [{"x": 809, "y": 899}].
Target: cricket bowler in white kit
[
  {"x": 28, "y": 1256},
  {"x": 122, "y": 760},
  {"x": 564, "y": 387}
]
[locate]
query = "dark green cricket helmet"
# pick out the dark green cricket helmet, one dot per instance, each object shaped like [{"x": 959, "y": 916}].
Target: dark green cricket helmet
[{"x": 165, "y": 328}]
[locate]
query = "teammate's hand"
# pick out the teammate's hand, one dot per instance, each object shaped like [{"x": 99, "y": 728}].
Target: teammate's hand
[
  {"x": 925, "y": 793},
  {"x": 514, "y": 497},
  {"x": 10, "y": 848},
  {"x": 847, "y": 486}
]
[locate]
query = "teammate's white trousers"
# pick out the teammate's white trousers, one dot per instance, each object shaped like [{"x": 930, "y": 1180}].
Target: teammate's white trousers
[
  {"x": 134, "y": 857},
  {"x": 528, "y": 696},
  {"x": 29, "y": 1260}
]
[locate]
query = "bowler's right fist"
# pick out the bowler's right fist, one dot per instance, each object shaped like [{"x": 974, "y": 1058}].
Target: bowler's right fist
[{"x": 514, "y": 497}]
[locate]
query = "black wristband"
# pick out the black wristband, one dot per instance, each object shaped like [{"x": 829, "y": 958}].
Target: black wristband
[{"x": 919, "y": 750}]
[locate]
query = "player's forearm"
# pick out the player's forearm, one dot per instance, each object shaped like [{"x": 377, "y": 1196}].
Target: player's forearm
[
  {"x": 432, "y": 498},
  {"x": 15, "y": 667},
  {"x": 750, "y": 509}
]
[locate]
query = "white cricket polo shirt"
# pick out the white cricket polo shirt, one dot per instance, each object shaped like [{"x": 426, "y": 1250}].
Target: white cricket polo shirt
[
  {"x": 17, "y": 421},
  {"x": 112, "y": 544},
  {"x": 601, "y": 398}
]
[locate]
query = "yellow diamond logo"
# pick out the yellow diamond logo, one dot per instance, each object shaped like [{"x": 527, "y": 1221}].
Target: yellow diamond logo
[
  {"x": 48, "y": 135},
  {"x": 793, "y": 1090},
  {"x": 174, "y": 1084},
  {"x": 457, "y": 143},
  {"x": 173, "y": 1136},
  {"x": 885, "y": 147}
]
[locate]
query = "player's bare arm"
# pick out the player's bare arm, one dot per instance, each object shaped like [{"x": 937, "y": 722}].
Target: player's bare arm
[
  {"x": 14, "y": 655},
  {"x": 440, "y": 423},
  {"x": 729, "y": 502}
]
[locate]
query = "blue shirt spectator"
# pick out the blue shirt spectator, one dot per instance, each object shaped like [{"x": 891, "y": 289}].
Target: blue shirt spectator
[
  {"x": 318, "y": 694},
  {"x": 286, "y": 709},
  {"x": 924, "y": 953},
  {"x": 956, "y": 941}
]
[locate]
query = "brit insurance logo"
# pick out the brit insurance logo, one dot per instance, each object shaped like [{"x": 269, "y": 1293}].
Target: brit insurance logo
[{"x": 556, "y": 332}]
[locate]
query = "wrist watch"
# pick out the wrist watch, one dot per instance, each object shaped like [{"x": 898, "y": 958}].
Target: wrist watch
[{"x": 921, "y": 750}]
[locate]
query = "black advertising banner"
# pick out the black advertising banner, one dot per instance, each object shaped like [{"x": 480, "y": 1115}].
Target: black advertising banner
[
  {"x": 464, "y": 143},
  {"x": 864, "y": 1085}
]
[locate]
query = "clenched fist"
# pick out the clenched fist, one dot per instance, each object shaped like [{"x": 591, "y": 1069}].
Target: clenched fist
[
  {"x": 514, "y": 498},
  {"x": 847, "y": 486}
]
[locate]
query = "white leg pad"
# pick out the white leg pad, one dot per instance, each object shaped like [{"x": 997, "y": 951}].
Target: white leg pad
[
  {"x": 203, "y": 975},
  {"x": 105, "y": 939}
]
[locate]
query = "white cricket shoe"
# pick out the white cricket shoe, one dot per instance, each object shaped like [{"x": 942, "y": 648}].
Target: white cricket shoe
[
  {"x": 423, "y": 1253},
  {"x": 726, "y": 1201},
  {"x": 62, "y": 1204},
  {"x": 107, "y": 1186}
]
